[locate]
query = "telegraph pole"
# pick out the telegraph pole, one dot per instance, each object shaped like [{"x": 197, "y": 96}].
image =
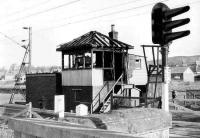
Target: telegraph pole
[{"x": 30, "y": 49}]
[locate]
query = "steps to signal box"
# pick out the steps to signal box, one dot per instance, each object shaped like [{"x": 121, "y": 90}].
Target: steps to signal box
[{"x": 106, "y": 107}]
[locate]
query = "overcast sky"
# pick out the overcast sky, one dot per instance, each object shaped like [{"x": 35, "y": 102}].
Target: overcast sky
[{"x": 58, "y": 21}]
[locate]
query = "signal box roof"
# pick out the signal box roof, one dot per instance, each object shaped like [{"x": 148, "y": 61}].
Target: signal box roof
[{"x": 93, "y": 39}]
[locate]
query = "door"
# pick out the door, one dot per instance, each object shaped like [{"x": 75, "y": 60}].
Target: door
[{"x": 118, "y": 65}]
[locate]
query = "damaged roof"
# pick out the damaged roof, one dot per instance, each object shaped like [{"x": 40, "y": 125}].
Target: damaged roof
[{"x": 93, "y": 39}]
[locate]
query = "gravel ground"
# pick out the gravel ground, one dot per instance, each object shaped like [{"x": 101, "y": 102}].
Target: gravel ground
[{"x": 5, "y": 132}]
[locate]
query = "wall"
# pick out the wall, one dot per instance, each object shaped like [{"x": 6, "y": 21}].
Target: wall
[
  {"x": 44, "y": 86},
  {"x": 129, "y": 123},
  {"x": 83, "y": 77},
  {"x": 188, "y": 75},
  {"x": 137, "y": 76},
  {"x": 88, "y": 81},
  {"x": 70, "y": 96}
]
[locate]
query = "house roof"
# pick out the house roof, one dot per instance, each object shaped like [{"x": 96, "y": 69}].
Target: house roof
[
  {"x": 93, "y": 39},
  {"x": 178, "y": 69}
]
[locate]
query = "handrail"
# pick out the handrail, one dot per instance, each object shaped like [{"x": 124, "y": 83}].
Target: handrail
[
  {"x": 113, "y": 86},
  {"x": 109, "y": 92},
  {"x": 98, "y": 95}
]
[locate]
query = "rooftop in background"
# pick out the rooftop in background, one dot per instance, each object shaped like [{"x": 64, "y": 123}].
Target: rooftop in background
[
  {"x": 93, "y": 39},
  {"x": 178, "y": 69}
]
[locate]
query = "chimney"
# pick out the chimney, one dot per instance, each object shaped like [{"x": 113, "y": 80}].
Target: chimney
[{"x": 113, "y": 34}]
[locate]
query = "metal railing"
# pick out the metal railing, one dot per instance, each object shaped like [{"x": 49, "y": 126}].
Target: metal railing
[
  {"x": 110, "y": 92},
  {"x": 95, "y": 100}
]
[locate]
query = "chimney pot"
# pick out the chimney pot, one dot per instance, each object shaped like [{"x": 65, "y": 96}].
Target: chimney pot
[
  {"x": 112, "y": 28},
  {"x": 113, "y": 34}
]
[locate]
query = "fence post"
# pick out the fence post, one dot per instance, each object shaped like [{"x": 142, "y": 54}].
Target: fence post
[{"x": 30, "y": 110}]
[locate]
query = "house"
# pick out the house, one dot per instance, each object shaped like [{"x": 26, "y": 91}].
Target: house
[
  {"x": 182, "y": 73},
  {"x": 95, "y": 68}
]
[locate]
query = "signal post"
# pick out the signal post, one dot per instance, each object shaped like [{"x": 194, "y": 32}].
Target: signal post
[{"x": 162, "y": 25}]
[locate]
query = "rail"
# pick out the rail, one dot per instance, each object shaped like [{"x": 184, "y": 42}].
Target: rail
[
  {"x": 111, "y": 91},
  {"x": 93, "y": 104}
]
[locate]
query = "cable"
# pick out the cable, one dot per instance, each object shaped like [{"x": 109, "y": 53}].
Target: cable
[
  {"x": 28, "y": 8},
  {"x": 102, "y": 9},
  {"x": 10, "y": 39},
  {"x": 97, "y": 10},
  {"x": 92, "y": 18},
  {"x": 40, "y": 12}
]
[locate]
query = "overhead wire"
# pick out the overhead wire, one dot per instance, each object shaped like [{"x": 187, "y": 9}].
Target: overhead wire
[
  {"x": 80, "y": 14},
  {"x": 28, "y": 8},
  {"x": 92, "y": 18},
  {"x": 103, "y": 15},
  {"x": 43, "y": 11},
  {"x": 6, "y": 36},
  {"x": 102, "y": 9},
  {"x": 107, "y": 14}
]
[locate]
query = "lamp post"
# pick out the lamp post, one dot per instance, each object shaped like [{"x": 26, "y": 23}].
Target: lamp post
[{"x": 29, "y": 47}]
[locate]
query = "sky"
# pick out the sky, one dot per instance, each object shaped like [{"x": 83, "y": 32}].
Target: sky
[{"x": 55, "y": 22}]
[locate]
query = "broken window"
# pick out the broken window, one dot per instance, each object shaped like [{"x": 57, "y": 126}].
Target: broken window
[
  {"x": 88, "y": 60},
  {"x": 108, "y": 59},
  {"x": 98, "y": 59},
  {"x": 78, "y": 61},
  {"x": 66, "y": 61}
]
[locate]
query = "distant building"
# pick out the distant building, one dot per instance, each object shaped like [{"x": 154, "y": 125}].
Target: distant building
[
  {"x": 182, "y": 73},
  {"x": 197, "y": 67}
]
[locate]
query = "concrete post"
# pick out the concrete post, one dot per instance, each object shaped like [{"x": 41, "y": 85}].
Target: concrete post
[
  {"x": 30, "y": 110},
  {"x": 165, "y": 78},
  {"x": 165, "y": 96}
]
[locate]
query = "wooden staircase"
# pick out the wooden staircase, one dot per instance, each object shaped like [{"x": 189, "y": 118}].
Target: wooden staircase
[{"x": 105, "y": 104}]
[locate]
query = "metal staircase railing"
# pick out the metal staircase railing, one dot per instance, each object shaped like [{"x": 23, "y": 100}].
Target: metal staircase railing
[
  {"x": 108, "y": 99},
  {"x": 97, "y": 99}
]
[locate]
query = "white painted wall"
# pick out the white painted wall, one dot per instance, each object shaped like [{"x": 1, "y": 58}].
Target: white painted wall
[
  {"x": 84, "y": 77},
  {"x": 135, "y": 93},
  {"x": 97, "y": 77},
  {"x": 188, "y": 75},
  {"x": 137, "y": 76}
]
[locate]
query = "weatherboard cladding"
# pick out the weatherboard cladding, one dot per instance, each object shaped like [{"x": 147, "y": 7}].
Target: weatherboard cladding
[{"x": 93, "y": 39}]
